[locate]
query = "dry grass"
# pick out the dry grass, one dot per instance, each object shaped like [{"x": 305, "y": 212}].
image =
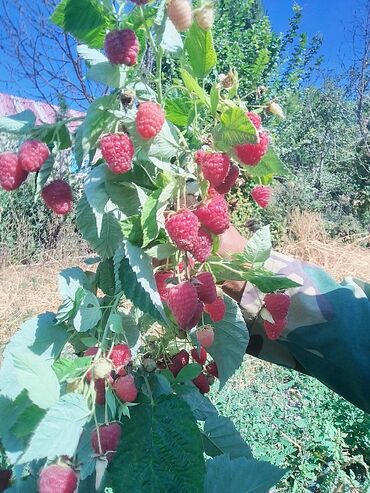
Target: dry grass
[{"x": 307, "y": 239}]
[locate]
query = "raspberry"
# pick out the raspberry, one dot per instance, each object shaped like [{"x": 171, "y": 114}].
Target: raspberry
[
  {"x": 125, "y": 388},
  {"x": 60, "y": 478},
  {"x": 205, "y": 17},
  {"x": 122, "y": 47},
  {"x": 12, "y": 175},
  {"x": 200, "y": 357},
  {"x": 206, "y": 287},
  {"x": 229, "y": 181},
  {"x": 213, "y": 214},
  {"x": 261, "y": 194},
  {"x": 202, "y": 383},
  {"x": 120, "y": 355},
  {"x": 205, "y": 336},
  {"x": 255, "y": 119},
  {"x": 5, "y": 476},
  {"x": 99, "y": 385},
  {"x": 214, "y": 165},
  {"x": 274, "y": 331},
  {"x": 91, "y": 351},
  {"x": 212, "y": 369},
  {"x": 160, "y": 280},
  {"x": 216, "y": 310},
  {"x": 58, "y": 196},
  {"x": 182, "y": 227},
  {"x": 278, "y": 305},
  {"x": 118, "y": 151},
  {"x": 202, "y": 247},
  {"x": 33, "y": 154},
  {"x": 196, "y": 317},
  {"x": 179, "y": 12},
  {"x": 109, "y": 439},
  {"x": 178, "y": 362},
  {"x": 149, "y": 119},
  {"x": 251, "y": 154},
  {"x": 183, "y": 302}
]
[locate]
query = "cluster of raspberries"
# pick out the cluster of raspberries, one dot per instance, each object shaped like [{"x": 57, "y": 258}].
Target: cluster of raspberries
[{"x": 32, "y": 155}]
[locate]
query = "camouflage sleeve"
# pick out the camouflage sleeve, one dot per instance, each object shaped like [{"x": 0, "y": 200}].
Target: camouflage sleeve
[{"x": 328, "y": 332}]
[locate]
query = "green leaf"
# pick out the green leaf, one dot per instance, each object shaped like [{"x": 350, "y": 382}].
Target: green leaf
[
  {"x": 267, "y": 282},
  {"x": 235, "y": 128},
  {"x": 88, "y": 314},
  {"x": 90, "y": 55},
  {"x": 53, "y": 134},
  {"x": 36, "y": 376},
  {"x": 21, "y": 123},
  {"x": 43, "y": 174},
  {"x": 177, "y": 110},
  {"x": 161, "y": 251},
  {"x": 108, "y": 74},
  {"x": 27, "y": 421},
  {"x": 199, "y": 404},
  {"x": 66, "y": 369},
  {"x": 110, "y": 236},
  {"x": 59, "y": 431},
  {"x": 165, "y": 34},
  {"x": 258, "y": 248},
  {"x": 132, "y": 230},
  {"x": 270, "y": 164},
  {"x": 105, "y": 277},
  {"x": 188, "y": 373},
  {"x": 193, "y": 87},
  {"x": 123, "y": 193},
  {"x": 201, "y": 52},
  {"x": 225, "y": 438},
  {"x": 158, "y": 463},
  {"x": 230, "y": 342},
  {"x": 240, "y": 475},
  {"x": 215, "y": 98},
  {"x": 70, "y": 280}
]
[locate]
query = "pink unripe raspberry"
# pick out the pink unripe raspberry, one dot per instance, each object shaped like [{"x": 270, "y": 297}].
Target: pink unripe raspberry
[
  {"x": 229, "y": 181},
  {"x": 120, "y": 355},
  {"x": 206, "y": 287},
  {"x": 216, "y": 310},
  {"x": 214, "y": 214},
  {"x": 117, "y": 150},
  {"x": 149, "y": 120},
  {"x": 33, "y": 154},
  {"x": 125, "y": 388},
  {"x": 202, "y": 247},
  {"x": 205, "y": 336},
  {"x": 200, "y": 357},
  {"x": 183, "y": 302},
  {"x": 57, "y": 195},
  {"x": 109, "y": 439},
  {"x": 215, "y": 166},
  {"x": 160, "y": 279},
  {"x": 179, "y": 12},
  {"x": 12, "y": 175},
  {"x": 274, "y": 330},
  {"x": 57, "y": 478},
  {"x": 182, "y": 227},
  {"x": 261, "y": 194},
  {"x": 278, "y": 305},
  {"x": 122, "y": 47},
  {"x": 201, "y": 381}
]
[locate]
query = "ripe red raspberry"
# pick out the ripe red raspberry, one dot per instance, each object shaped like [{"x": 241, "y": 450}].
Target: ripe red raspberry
[
  {"x": 278, "y": 305},
  {"x": 60, "y": 478},
  {"x": 122, "y": 47},
  {"x": 99, "y": 385},
  {"x": 205, "y": 336},
  {"x": 183, "y": 302},
  {"x": 118, "y": 151},
  {"x": 109, "y": 439},
  {"x": 120, "y": 355},
  {"x": 251, "y": 154},
  {"x": 160, "y": 280},
  {"x": 196, "y": 317},
  {"x": 215, "y": 166},
  {"x": 58, "y": 196},
  {"x": 33, "y": 154},
  {"x": 12, "y": 175},
  {"x": 214, "y": 214},
  {"x": 229, "y": 181},
  {"x": 212, "y": 369},
  {"x": 200, "y": 357},
  {"x": 216, "y": 310},
  {"x": 261, "y": 194},
  {"x": 202, "y": 383},
  {"x": 182, "y": 227},
  {"x": 206, "y": 287},
  {"x": 125, "y": 388},
  {"x": 274, "y": 331},
  {"x": 179, "y": 12},
  {"x": 255, "y": 119},
  {"x": 149, "y": 119},
  {"x": 202, "y": 247},
  {"x": 178, "y": 362},
  {"x": 5, "y": 476}
]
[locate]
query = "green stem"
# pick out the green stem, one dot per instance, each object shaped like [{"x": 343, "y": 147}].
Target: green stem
[{"x": 149, "y": 390}]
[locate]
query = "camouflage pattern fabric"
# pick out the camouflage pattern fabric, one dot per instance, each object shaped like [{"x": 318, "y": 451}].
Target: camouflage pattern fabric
[{"x": 328, "y": 332}]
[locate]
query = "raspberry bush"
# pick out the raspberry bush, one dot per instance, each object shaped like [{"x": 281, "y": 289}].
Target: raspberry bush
[{"x": 103, "y": 393}]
